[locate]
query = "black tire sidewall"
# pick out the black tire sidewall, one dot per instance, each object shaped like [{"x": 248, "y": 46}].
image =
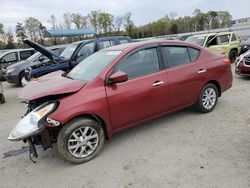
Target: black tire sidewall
[
  {"x": 200, "y": 107},
  {"x": 230, "y": 54},
  {"x": 2, "y": 98},
  {"x": 66, "y": 131}
]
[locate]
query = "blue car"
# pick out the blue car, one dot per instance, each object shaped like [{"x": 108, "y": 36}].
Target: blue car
[
  {"x": 15, "y": 73},
  {"x": 72, "y": 55}
]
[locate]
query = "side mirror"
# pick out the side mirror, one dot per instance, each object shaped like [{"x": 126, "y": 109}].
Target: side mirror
[{"x": 117, "y": 77}]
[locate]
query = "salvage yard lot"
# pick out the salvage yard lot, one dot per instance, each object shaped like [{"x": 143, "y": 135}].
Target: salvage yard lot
[{"x": 184, "y": 149}]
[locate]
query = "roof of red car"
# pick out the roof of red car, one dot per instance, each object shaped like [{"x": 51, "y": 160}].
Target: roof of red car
[{"x": 148, "y": 42}]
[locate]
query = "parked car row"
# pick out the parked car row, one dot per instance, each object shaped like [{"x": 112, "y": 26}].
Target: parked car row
[
  {"x": 15, "y": 73},
  {"x": 71, "y": 56},
  {"x": 117, "y": 88}
]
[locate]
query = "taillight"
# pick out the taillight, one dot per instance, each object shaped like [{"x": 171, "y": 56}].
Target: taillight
[{"x": 226, "y": 61}]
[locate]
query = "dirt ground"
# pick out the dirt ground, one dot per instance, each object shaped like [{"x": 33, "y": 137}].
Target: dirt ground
[{"x": 184, "y": 149}]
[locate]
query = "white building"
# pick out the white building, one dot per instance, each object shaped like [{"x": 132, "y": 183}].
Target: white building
[{"x": 240, "y": 22}]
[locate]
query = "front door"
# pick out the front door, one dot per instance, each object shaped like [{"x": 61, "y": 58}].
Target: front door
[{"x": 144, "y": 95}]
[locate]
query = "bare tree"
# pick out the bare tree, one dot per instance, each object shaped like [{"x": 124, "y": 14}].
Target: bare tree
[
  {"x": 53, "y": 22},
  {"x": 118, "y": 22},
  {"x": 67, "y": 20}
]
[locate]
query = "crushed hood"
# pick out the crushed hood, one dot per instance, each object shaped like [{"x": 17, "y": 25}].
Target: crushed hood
[
  {"x": 43, "y": 50},
  {"x": 50, "y": 85}
]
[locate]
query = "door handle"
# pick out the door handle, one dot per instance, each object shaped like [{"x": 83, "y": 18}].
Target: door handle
[
  {"x": 202, "y": 71},
  {"x": 158, "y": 83}
]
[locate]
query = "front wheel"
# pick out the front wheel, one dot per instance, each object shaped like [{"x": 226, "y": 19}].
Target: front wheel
[
  {"x": 208, "y": 99},
  {"x": 80, "y": 140},
  {"x": 23, "y": 80}
]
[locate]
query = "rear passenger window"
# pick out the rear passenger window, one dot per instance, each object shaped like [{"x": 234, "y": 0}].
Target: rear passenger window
[
  {"x": 176, "y": 55},
  {"x": 224, "y": 39},
  {"x": 106, "y": 43},
  {"x": 25, "y": 54},
  {"x": 123, "y": 41},
  {"x": 140, "y": 63},
  {"x": 194, "y": 53}
]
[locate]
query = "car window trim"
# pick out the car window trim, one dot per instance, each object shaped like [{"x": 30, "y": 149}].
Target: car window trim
[
  {"x": 156, "y": 46},
  {"x": 176, "y": 45}
]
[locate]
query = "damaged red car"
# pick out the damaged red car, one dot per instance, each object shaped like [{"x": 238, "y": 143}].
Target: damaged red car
[{"x": 115, "y": 89}]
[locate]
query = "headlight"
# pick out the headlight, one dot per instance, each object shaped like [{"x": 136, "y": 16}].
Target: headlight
[
  {"x": 29, "y": 125},
  {"x": 10, "y": 70}
]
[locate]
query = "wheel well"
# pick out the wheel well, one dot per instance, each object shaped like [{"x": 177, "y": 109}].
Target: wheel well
[
  {"x": 96, "y": 118},
  {"x": 235, "y": 50},
  {"x": 216, "y": 84}
]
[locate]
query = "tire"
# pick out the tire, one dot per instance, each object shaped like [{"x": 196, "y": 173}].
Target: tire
[
  {"x": 208, "y": 99},
  {"x": 23, "y": 82},
  {"x": 73, "y": 147},
  {"x": 2, "y": 98},
  {"x": 232, "y": 56}
]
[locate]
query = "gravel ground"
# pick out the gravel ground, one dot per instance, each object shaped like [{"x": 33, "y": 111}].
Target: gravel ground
[{"x": 184, "y": 149}]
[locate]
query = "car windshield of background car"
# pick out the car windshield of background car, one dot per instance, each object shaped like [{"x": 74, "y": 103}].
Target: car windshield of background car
[
  {"x": 67, "y": 52},
  {"x": 197, "y": 40}
]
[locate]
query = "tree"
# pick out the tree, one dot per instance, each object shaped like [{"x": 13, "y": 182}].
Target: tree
[
  {"x": 105, "y": 22},
  {"x": 93, "y": 17},
  {"x": 118, "y": 22},
  {"x": 20, "y": 32},
  {"x": 79, "y": 20},
  {"x": 129, "y": 24},
  {"x": 32, "y": 25},
  {"x": 174, "y": 28},
  {"x": 67, "y": 20},
  {"x": 53, "y": 22},
  {"x": 10, "y": 41},
  {"x": 1, "y": 29}
]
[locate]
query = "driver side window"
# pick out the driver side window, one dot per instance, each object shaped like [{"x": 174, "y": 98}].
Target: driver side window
[
  {"x": 85, "y": 51},
  {"x": 139, "y": 63}
]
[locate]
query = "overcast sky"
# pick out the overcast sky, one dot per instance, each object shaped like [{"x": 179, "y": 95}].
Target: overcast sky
[{"x": 143, "y": 11}]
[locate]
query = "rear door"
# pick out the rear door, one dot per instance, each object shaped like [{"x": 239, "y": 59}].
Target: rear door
[
  {"x": 186, "y": 74},
  {"x": 144, "y": 95}
]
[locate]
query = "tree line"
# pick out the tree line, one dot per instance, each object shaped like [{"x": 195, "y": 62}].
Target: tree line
[{"x": 104, "y": 23}]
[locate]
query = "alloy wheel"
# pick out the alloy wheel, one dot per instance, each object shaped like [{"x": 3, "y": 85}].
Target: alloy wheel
[{"x": 83, "y": 142}]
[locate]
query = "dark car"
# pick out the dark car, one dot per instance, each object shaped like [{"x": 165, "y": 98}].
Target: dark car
[
  {"x": 9, "y": 57},
  {"x": 245, "y": 45},
  {"x": 73, "y": 54},
  {"x": 14, "y": 74},
  {"x": 118, "y": 88},
  {"x": 242, "y": 64}
]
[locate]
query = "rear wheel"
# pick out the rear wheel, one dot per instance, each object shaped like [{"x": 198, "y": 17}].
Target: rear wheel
[
  {"x": 232, "y": 56},
  {"x": 208, "y": 99},
  {"x": 80, "y": 140}
]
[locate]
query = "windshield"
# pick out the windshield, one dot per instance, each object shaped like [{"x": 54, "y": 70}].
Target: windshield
[
  {"x": 90, "y": 67},
  {"x": 67, "y": 52},
  {"x": 199, "y": 40}
]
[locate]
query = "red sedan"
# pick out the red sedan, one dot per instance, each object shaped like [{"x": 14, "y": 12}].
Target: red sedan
[{"x": 118, "y": 88}]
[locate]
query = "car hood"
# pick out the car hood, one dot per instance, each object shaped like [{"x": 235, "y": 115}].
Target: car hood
[
  {"x": 50, "y": 85},
  {"x": 43, "y": 50}
]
